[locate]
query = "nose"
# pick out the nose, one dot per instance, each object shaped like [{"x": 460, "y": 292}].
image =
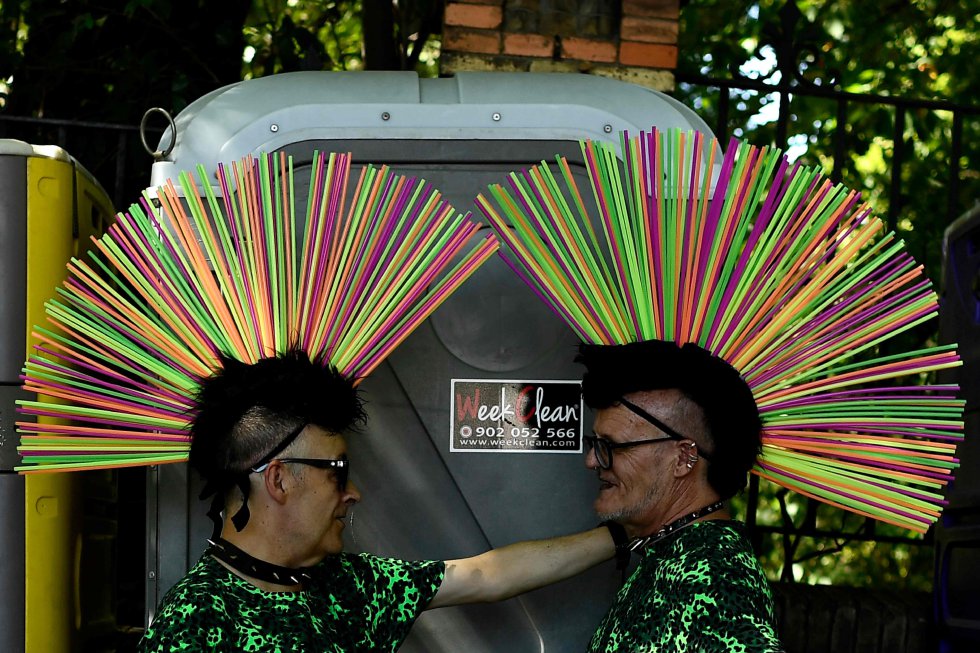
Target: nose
[
  {"x": 351, "y": 494},
  {"x": 591, "y": 461}
]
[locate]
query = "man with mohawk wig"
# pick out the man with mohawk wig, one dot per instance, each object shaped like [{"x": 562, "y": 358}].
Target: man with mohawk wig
[
  {"x": 189, "y": 308},
  {"x": 676, "y": 433},
  {"x": 733, "y": 316},
  {"x": 269, "y": 439}
]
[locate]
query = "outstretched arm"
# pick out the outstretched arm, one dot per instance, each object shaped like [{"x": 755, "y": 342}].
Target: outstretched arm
[{"x": 516, "y": 568}]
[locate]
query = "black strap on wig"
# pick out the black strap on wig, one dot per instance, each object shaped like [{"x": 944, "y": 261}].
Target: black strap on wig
[{"x": 217, "y": 485}]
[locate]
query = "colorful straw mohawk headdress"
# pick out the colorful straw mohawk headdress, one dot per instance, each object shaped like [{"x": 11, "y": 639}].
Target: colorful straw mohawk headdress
[
  {"x": 140, "y": 324},
  {"x": 778, "y": 272}
]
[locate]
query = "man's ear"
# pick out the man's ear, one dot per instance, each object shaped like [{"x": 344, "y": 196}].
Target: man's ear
[
  {"x": 686, "y": 458},
  {"x": 275, "y": 481}
]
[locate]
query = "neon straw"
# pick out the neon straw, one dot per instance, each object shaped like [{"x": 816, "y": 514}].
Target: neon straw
[
  {"x": 781, "y": 273},
  {"x": 230, "y": 270}
]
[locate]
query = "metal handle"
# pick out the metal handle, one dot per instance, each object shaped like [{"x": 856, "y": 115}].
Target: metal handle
[{"x": 158, "y": 154}]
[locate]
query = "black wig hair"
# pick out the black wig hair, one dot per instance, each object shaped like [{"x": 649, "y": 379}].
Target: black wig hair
[
  {"x": 715, "y": 386},
  {"x": 244, "y": 411}
]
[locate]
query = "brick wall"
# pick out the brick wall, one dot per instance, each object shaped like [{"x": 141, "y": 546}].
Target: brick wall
[{"x": 636, "y": 40}]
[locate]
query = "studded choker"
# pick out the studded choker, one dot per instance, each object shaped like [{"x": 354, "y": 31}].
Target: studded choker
[
  {"x": 640, "y": 543},
  {"x": 249, "y": 565}
]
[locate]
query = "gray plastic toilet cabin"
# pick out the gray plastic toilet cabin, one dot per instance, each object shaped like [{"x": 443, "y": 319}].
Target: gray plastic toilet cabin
[{"x": 421, "y": 498}]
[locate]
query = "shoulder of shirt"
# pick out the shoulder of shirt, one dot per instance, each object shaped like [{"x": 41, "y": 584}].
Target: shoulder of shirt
[
  {"x": 203, "y": 572},
  {"x": 196, "y": 583},
  {"x": 716, "y": 539},
  {"x": 717, "y": 529}
]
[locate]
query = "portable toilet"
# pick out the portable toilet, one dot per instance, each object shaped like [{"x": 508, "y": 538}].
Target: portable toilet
[
  {"x": 426, "y": 494},
  {"x": 958, "y": 531},
  {"x": 55, "y": 553}
]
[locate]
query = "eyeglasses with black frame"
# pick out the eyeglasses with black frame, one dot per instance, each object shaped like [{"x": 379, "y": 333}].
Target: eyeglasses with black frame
[
  {"x": 341, "y": 467},
  {"x": 604, "y": 448}
]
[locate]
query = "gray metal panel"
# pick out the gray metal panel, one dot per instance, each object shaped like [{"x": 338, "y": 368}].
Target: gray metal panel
[
  {"x": 959, "y": 322},
  {"x": 170, "y": 549},
  {"x": 958, "y": 531},
  {"x": 270, "y": 113},
  {"x": 9, "y": 439},
  {"x": 409, "y": 495},
  {"x": 458, "y": 169},
  {"x": 493, "y": 327},
  {"x": 13, "y": 311},
  {"x": 12, "y": 561},
  {"x": 13, "y": 265},
  {"x": 512, "y": 497},
  {"x": 12, "y": 552},
  {"x": 421, "y": 501}
]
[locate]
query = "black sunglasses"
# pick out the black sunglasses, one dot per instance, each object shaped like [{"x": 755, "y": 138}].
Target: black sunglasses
[
  {"x": 604, "y": 448},
  {"x": 341, "y": 467}
]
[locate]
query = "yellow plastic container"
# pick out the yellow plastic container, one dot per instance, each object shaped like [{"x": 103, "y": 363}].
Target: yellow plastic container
[{"x": 64, "y": 206}]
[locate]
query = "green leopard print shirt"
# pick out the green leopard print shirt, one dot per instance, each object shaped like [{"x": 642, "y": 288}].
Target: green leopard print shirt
[
  {"x": 699, "y": 590},
  {"x": 357, "y": 602}
]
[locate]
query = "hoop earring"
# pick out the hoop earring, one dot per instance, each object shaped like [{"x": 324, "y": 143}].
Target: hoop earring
[{"x": 692, "y": 457}]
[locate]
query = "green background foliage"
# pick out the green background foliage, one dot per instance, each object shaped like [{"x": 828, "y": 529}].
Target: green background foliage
[{"x": 923, "y": 49}]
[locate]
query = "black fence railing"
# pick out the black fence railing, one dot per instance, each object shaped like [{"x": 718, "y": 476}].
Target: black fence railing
[{"x": 786, "y": 91}]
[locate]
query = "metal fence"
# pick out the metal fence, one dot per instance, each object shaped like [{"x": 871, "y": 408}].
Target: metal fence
[
  {"x": 788, "y": 92},
  {"x": 794, "y": 90}
]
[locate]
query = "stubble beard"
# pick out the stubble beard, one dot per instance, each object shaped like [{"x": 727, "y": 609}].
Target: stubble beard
[{"x": 628, "y": 513}]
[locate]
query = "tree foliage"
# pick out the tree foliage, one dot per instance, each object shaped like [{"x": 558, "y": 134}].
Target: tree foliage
[
  {"x": 110, "y": 61},
  {"x": 924, "y": 49},
  {"x": 919, "y": 50},
  {"x": 303, "y": 35},
  {"x": 107, "y": 62}
]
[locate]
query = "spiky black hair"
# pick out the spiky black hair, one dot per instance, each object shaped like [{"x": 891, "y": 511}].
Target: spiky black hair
[
  {"x": 725, "y": 399},
  {"x": 244, "y": 411}
]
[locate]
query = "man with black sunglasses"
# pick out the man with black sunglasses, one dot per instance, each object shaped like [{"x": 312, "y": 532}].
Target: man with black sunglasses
[
  {"x": 676, "y": 432},
  {"x": 268, "y": 438}
]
